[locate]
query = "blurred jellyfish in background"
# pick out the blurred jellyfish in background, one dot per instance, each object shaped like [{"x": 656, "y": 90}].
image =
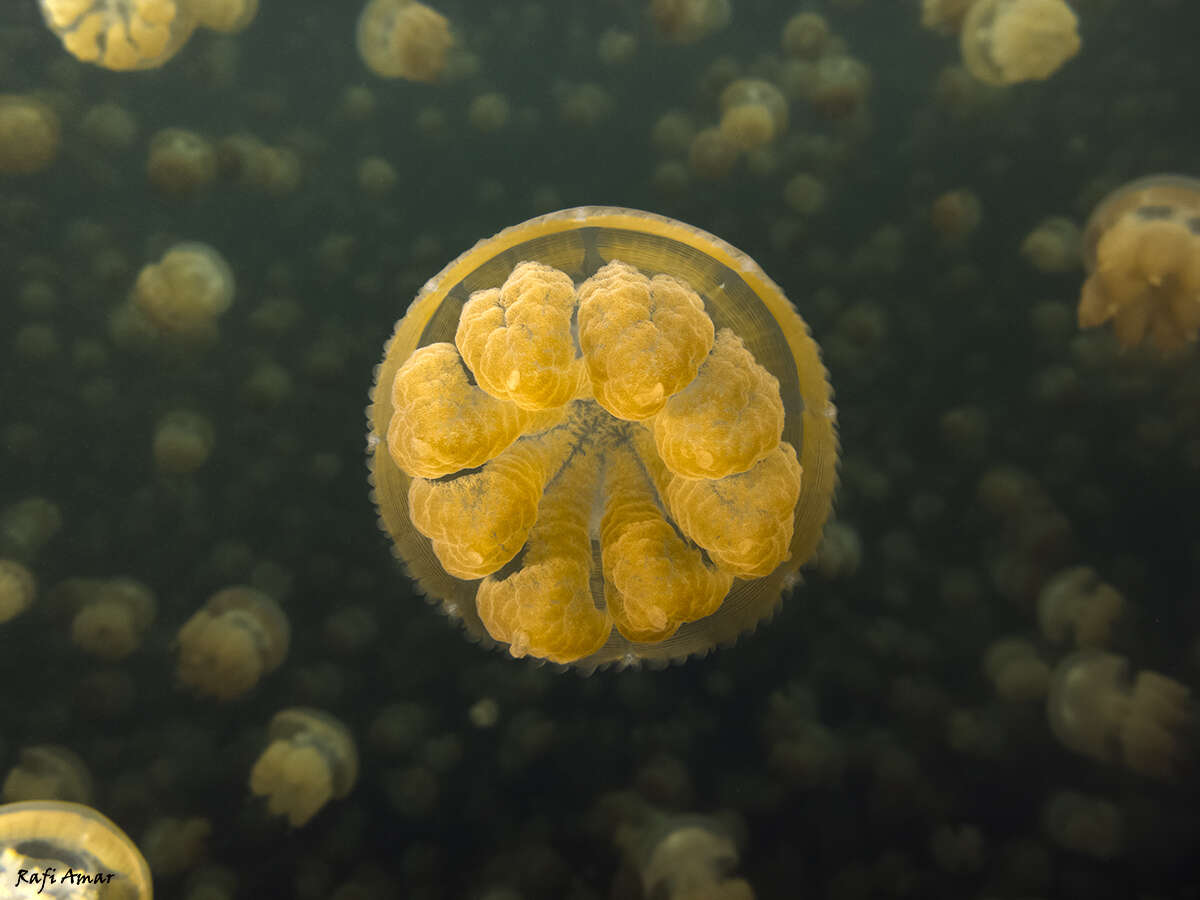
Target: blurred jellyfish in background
[
  {"x": 239, "y": 636},
  {"x": 311, "y": 759},
  {"x": 29, "y": 134},
  {"x": 404, "y": 39}
]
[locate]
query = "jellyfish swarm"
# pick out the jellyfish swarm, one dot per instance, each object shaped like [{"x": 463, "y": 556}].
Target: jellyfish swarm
[
  {"x": 46, "y": 837},
  {"x": 601, "y": 436},
  {"x": 1141, "y": 249}
]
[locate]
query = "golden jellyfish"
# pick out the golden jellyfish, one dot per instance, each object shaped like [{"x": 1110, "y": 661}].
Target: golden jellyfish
[
  {"x": 712, "y": 155},
  {"x": 186, "y": 291},
  {"x": 48, "y": 772},
  {"x": 181, "y": 161},
  {"x": 238, "y": 636},
  {"x": 944, "y": 15},
  {"x": 1095, "y": 709},
  {"x": 29, "y": 134},
  {"x": 119, "y": 34},
  {"x": 110, "y": 615},
  {"x": 46, "y": 839},
  {"x": 310, "y": 760},
  {"x": 806, "y": 35},
  {"x": 1077, "y": 603},
  {"x": 687, "y": 21},
  {"x": 1141, "y": 251},
  {"x": 1053, "y": 246},
  {"x": 183, "y": 441},
  {"x": 226, "y": 16},
  {"x": 1009, "y": 41},
  {"x": 603, "y": 436},
  {"x": 954, "y": 215},
  {"x": 376, "y": 176},
  {"x": 404, "y": 39},
  {"x": 753, "y": 113},
  {"x": 26, "y": 526},
  {"x": 839, "y": 86},
  {"x": 18, "y": 587}
]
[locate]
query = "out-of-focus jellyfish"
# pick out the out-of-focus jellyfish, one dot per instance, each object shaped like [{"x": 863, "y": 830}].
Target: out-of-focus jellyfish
[
  {"x": 226, "y": 16},
  {"x": 1141, "y": 250},
  {"x": 840, "y": 86},
  {"x": 186, "y": 291},
  {"x": 18, "y": 587},
  {"x": 48, "y": 772},
  {"x": 183, "y": 441},
  {"x": 944, "y": 15},
  {"x": 753, "y": 113},
  {"x": 181, "y": 161},
  {"x": 488, "y": 112},
  {"x": 684, "y": 857},
  {"x": 1077, "y": 603},
  {"x": 1008, "y": 41},
  {"x": 29, "y": 134},
  {"x": 310, "y": 760},
  {"x": 806, "y": 35},
  {"x": 109, "y": 616},
  {"x": 404, "y": 39},
  {"x": 1084, "y": 824},
  {"x": 711, "y": 154},
  {"x": 686, "y": 21},
  {"x": 51, "y": 838},
  {"x": 238, "y": 636},
  {"x": 603, "y": 435},
  {"x": 119, "y": 34},
  {"x": 1095, "y": 710},
  {"x": 1053, "y": 246},
  {"x": 26, "y": 526},
  {"x": 955, "y": 214},
  {"x": 805, "y": 194},
  {"x": 1015, "y": 670}
]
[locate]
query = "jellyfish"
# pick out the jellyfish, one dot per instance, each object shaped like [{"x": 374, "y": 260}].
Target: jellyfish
[
  {"x": 44, "y": 837},
  {"x": 226, "y": 16},
  {"x": 678, "y": 857},
  {"x": 18, "y": 587},
  {"x": 186, "y": 291},
  {"x": 1077, "y": 603},
  {"x": 1009, "y": 41},
  {"x": 1053, "y": 246},
  {"x": 1141, "y": 250},
  {"x": 238, "y": 636},
  {"x": 404, "y": 39},
  {"x": 110, "y": 616},
  {"x": 182, "y": 443},
  {"x": 627, "y": 451},
  {"x": 806, "y": 35},
  {"x": 1095, "y": 710},
  {"x": 1015, "y": 670},
  {"x": 48, "y": 772},
  {"x": 687, "y": 21},
  {"x": 119, "y": 34},
  {"x": 310, "y": 760},
  {"x": 753, "y": 113},
  {"x": 29, "y": 134},
  {"x": 181, "y": 161}
]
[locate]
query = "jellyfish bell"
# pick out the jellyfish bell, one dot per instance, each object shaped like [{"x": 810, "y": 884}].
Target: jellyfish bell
[
  {"x": 44, "y": 837},
  {"x": 118, "y": 34},
  {"x": 1141, "y": 251},
  {"x": 603, "y": 436}
]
